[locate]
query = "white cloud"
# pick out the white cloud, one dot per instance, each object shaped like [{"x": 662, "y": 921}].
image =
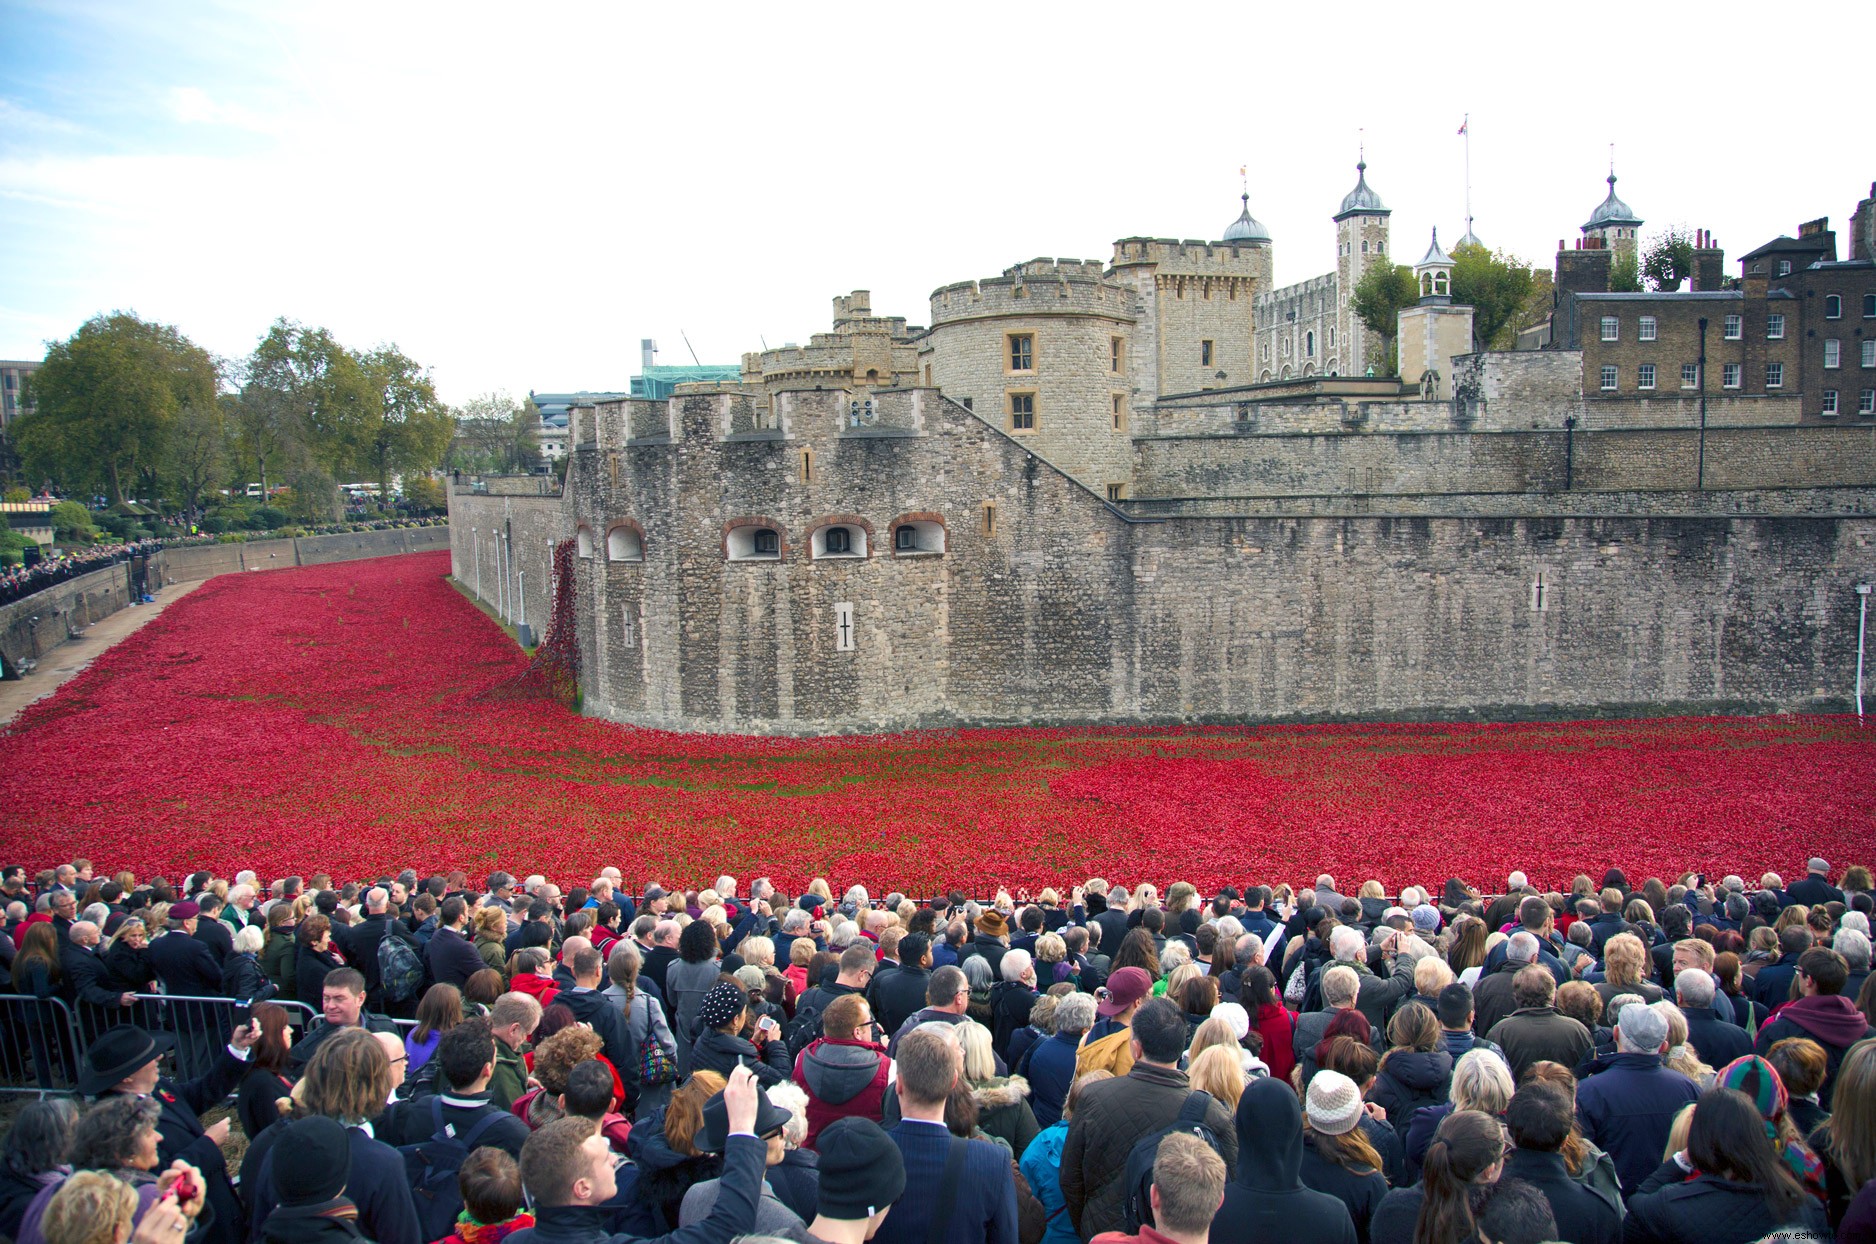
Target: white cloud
[{"x": 516, "y": 200}]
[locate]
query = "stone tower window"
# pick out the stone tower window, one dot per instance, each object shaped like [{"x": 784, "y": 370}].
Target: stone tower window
[
  {"x": 990, "y": 518},
  {"x": 1309, "y": 344},
  {"x": 1022, "y": 412},
  {"x": 1540, "y": 594},
  {"x": 750, "y": 541},
  {"x": 1205, "y": 354},
  {"x": 1119, "y": 419},
  {"x": 1115, "y": 357},
  {"x": 916, "y": 537},
  {"x": 1022, "y": 351},
  {"x": 807, "y": 465},
  {"x": 766, "y": 544},
  {"x": 839, "y": 540},
  {"x": 623, "y": 544},
  {"x": 583, "y": 541}
]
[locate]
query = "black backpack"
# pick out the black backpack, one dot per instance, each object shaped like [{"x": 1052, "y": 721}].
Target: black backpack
[
  {"x": 805, "y": 1028},
  {"x": 431, "y": 1167},
  {"x": 1139, "y": 1178},
  {"x": 400, "y": 971}
]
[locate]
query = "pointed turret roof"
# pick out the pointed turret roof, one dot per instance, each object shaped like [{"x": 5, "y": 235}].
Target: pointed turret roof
[
  {"x": 1612, "y": 211},
  {"x": 1246, "y": 228},
  {"x": 1435, "y": 257},
  {"x": 1362, "y": 200}
]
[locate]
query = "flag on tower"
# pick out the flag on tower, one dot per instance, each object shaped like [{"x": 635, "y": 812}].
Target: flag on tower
[{"x": 1463, "y": 124}]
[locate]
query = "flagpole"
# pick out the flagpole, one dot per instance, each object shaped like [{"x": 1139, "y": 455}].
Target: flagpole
[{"x": 1465, "y": 132}]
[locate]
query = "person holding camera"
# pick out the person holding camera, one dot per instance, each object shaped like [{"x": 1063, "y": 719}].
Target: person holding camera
[{"x": 723, "y": 1016}]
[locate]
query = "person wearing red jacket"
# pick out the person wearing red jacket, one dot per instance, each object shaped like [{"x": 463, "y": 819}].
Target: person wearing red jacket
[{"x": 846, "y": 1070}]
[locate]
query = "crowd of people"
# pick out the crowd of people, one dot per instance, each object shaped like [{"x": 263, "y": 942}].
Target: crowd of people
[
  {"x": 21, "y": 581},
  {"x": 427, "y": 1058}
]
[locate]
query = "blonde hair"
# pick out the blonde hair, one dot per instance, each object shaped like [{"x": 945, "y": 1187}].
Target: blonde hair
[
  {"x": 980, "y": 1061},
  {"x": 1681, "y": 1056},
  {"x": 1048, "y": 897},
  {"x": 1677, "y": 1132},
  {"x": 683, "y": 1118},
  {"x": 1623, "y": 958},
  {"x": 1177, "y": 978},
  {"x": 89, "y": 1208},
  {"x": 757, "y": 950},
  {"x": 491, "y": 922},
  {"x": 1372, "y": 889},
  {"x": 1215, "y": 1031},
  {"x": 1853, "y": 1114},
  {"x": 1217, "y": 1070},
  {"x": 801, "y": 953},
  {"x": 1050, "y": 948}
]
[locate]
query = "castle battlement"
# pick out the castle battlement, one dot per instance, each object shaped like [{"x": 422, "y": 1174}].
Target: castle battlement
[
  {"x": 1190, "y": 257},
  {"x": 1036, "y": 287},
  {"x": 1315, "y": 286}
]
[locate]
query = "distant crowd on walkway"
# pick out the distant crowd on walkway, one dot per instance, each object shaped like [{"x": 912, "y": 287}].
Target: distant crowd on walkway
[{"x": 420, "y": 1058}]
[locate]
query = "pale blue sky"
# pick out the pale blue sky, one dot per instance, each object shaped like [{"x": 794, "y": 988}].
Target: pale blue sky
[{"x": 516, "y": 194}]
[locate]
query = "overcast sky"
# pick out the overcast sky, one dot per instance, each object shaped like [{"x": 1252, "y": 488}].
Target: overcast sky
[{"x": 516, "y": 194}]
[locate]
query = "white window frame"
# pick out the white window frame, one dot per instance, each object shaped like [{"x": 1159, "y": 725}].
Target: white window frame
[
  {"x": 1869, "y": 352},
  {"x": 1830, "y": 402},
  {"x": 1733, "y": 327},
  {"x": 1833, "y": 306},
  {"x": 1647, "y": 329},
  {"x": 1774, "y": 375},
  {"x": 1609, "y": 378},
  {"x": 1866, "y": 402},
  {"x": 1690, "y": 375},
  {"x": 1645, "y": 376},
  {"x": 1611, "y": 328},
  {"x": 1730, "y": 374},
  {"x": 1833, "y": 353},
  {"x": 1775, "y": 326}
]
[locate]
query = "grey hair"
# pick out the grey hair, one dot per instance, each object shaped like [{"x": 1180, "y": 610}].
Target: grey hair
[
  {"x": 1522, "y": 947},
  {"x": 249, "y": 939},
  {"x": 1854, "y": 947},
  {"x": 1074, "y": 1014},
  {"x": 1014, "y": 964},
  {"x": 1347, "y": 944},
  {"x": 1694, "y": 987},
  {"x": 977, "y": 971}
]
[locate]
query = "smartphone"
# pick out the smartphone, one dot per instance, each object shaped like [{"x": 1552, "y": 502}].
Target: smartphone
[{"x": 242, "y": 1007}]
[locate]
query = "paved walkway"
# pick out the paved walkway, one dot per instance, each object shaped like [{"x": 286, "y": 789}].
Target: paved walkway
[{"x": 65, "y": 662}]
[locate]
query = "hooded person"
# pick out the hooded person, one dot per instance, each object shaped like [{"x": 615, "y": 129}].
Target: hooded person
[
  {"x": 1268, "y": 1203},
  {"x": 844, "y": 1071},
  {"x": 311, "y": 1171},
  {"x": 1821, "y": 1012}
]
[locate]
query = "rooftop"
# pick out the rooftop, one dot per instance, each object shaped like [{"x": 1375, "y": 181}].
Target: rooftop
[
  {"x": 1362, "y": 199},
  {"x": 1612, "y": 211}
]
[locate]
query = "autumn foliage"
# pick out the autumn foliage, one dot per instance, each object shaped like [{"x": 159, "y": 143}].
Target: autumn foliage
[{"x": 339, "y": 718}]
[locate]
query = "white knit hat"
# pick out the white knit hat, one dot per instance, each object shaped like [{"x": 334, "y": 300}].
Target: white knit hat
[{"x": 1334, "y": 1103}]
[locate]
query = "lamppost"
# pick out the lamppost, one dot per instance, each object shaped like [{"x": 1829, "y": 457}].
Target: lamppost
[{"x": 1862, "y": 617}]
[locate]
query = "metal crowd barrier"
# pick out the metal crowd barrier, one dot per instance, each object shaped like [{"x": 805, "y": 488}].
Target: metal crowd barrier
[{"x": 42, "y": 1040}]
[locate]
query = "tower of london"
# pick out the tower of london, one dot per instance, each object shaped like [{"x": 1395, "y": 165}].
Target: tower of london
[{"x": 1155, "y": 487}]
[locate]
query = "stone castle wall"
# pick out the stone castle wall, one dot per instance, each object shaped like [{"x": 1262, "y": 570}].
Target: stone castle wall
[{"x": 1047, "y": 604}]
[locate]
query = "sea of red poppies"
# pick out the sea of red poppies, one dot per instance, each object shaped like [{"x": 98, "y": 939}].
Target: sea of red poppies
[{"x": 350, "y": 719}]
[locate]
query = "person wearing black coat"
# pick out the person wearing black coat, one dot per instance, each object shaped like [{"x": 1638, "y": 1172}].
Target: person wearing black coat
[
  {"x": 1268, "y": 1203},
  {"x": 721, "y": 1052},
  {"x": 1814, "y": 887},
  {"x": 1335, "y": 1160},
  {"x": 310, "y": 969},
  {"x": 590, "y": 1006},
  {"x": 124, "y": 1059},
  {"x": 898, "y": 994},
  {"x": 86, "y": 979},
  {"x": 1408, "y": 1080},
  {"x": 1539, "y": 1118},
  {"x": 212, "y": 931},
  {"x": 452, "y": 958},
  {"x": 241, "y": 977},
  {"x": 187, "y": 967},
  {"x": 1010, "y": 1004}
]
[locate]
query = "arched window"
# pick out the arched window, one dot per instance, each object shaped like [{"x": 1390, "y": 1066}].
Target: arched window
[
  {"x": 624, "y": 544},
  {"x": 583, "y": 540},
  {"x": 917, "y": 537},
  {"x": 1309, "y": 346},
  {"x": 751, "y": 541},
  {"x": 838, "y": 540}
]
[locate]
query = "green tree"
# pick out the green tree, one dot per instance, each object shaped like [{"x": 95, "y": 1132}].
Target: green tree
[
  {"x": 425, "y": 495},
  {"x": 496, "y": 434},
  {"x": 1497, "y": 286},
  {"x": 1669, "y": 259},
  {"x": 197, "y": 457},
  {"x": 311, "y": 399},
  {"x": 1625, "y": 274},
  {"x": 72, "y": 523},
  {"x": 106, "y": 400},
  {"x": 1382, "y": 293},
  {"x": 413, "y": 427}
]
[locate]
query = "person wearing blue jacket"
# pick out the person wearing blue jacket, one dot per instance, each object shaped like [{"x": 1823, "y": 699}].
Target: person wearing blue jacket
[{"x": 1627, "y": 1101}]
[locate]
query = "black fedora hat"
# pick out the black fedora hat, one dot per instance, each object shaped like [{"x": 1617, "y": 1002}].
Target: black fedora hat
[
  {"x": 119, "y": 1051},
  {"x": 716, "y": 1121}
]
